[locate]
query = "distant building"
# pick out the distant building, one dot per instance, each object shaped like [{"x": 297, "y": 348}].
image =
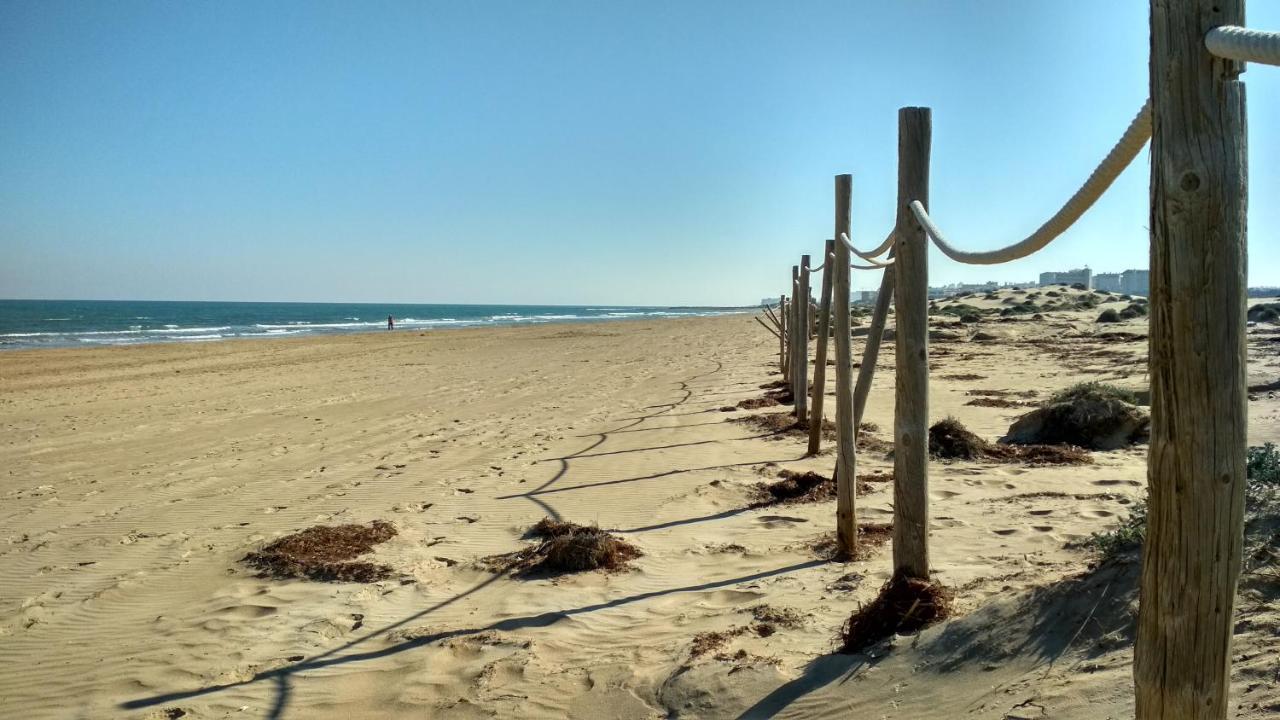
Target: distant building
[
  {"x": 962, "y": 288},
  {"x": 1083, "y": 276},
  {"x": 1136, "y": 282},
  {"x": 866, "y": 297},
  {"x": 1107, "y": 281}
]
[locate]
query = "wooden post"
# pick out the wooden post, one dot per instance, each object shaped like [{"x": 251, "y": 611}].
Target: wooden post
[
  {"x": 875, "y": 334},
  {"x": 911, "y": 404},
  {"x": 1195, "y": 467},
  {"x": 797, "y": 337},
  {"x": 820, "y": 354},
  {"x": 802, "y": 377},
  {"x": 784, "y": 365},
  {"x": 846, "y": 453}
]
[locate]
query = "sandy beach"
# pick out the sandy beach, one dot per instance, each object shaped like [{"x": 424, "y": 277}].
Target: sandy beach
[{"x": 136, "y": 479}]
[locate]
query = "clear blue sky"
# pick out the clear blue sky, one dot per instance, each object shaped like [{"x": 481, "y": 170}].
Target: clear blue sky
[{"x": 557, "y": 152}]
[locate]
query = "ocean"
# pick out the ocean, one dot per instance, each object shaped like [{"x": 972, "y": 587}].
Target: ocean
[{"x": 86, "y": 323}]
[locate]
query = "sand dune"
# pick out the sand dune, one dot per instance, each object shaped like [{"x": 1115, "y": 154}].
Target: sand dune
[{"x": 136, "y": 478}]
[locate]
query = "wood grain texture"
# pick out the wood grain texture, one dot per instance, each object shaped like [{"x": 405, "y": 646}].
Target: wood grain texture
[
  {"x": 1196, "y": 472},
  {"x": 875, "y": 335},
  {"x": 846, "y": 454},
  {"x": 784, "y": 348},
  {"x": 818, "y": 394},
  {"x": 911, "y": 402},
  {"x": 797, "y": 337},
  {"x": 802, "y": 347}
]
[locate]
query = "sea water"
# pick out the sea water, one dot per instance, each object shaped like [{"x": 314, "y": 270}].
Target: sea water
[{"x": 85, "y": 323}]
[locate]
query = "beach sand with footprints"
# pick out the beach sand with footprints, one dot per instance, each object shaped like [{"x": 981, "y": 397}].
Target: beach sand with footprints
[{"x": 136, "y": 480}]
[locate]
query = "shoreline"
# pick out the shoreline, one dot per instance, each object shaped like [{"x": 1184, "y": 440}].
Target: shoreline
[{"x": 321, "y": 331}]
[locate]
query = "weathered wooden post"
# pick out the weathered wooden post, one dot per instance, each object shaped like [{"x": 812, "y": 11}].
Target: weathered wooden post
[
  {"x": 875, "y": 334},
  {"x": 1195, "y": 467},
  {"x": 784, "y": 349},
  {"x": 846, "y": 454},
  {"x": 802, "y": 377},
  {"x": 911, "y": 404},
  {"x": 797, "y": 337},
  {"x": 820, "y": 354}
]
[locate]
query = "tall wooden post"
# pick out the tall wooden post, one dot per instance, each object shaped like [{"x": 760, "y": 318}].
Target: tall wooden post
[
  {"x": 784, "y": 362},
  {"x": 797, "y": 337},
  {"x": 1195, "y": 467},
  {"x": 846, "y": 453},
  {"x": 820, "y": 354},
  {"x": 875, "y": 334},
  {"x": 911, "y": 298},
  {"x": 802, "y": 377}
]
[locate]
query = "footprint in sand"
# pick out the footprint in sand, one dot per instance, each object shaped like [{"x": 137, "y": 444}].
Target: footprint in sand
[
  {"x": 1106, "y": 483},
  {"x": 412, "y": 507},
  {"x": 1006, "y": 531},
  {"x": 1041, "y": 512},
  {"x": 773, "y": 521}
]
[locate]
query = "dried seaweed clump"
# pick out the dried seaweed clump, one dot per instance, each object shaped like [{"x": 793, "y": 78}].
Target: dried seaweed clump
[
  {"x": 904, "y": 605},
  {"x": 565, "y": 548},
  {"x": 324, "y": 553},
  {"x": 950, "y": 440},
  {"x": 794, "y": 487},
  {"x": 784, "y": 424},
  {"x": 996, "y": 402}
]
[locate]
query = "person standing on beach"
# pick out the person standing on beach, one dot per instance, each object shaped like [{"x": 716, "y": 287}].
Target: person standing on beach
[{"x": 391, "y": 323}]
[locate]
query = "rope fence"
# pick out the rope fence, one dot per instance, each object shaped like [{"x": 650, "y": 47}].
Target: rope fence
[
  {"x": 1125, "y": 150},
  {"x": 872, "y": 264},
  {"x": 877, "y": 252},
  {"x": 1195, "y": 121}
]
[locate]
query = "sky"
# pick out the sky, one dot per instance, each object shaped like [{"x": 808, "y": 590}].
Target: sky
[{"x": 566, "y": 152}]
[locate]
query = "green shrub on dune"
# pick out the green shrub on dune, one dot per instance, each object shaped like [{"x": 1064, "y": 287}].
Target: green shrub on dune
[
  {"x": 1265, "y": 312},
  {"x": 1092, "y": 415}
]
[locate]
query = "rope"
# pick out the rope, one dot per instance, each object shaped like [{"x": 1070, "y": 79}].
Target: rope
[
  {"x": 872, "y": 264},
  {"x": 873, "y": 254},
  {"x": 1125, "y": 150},
  {"x": 1237, "y": 43},
  {"x": 816, "y": 269}
]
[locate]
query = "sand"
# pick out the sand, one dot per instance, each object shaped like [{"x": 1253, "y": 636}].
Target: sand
[{"x": 135, "y": 480}]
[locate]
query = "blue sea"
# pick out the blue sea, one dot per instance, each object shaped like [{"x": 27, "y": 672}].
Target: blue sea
[{"x": 86, "y": 323}]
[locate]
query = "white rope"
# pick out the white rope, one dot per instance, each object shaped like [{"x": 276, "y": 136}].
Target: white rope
[
  {"x": 873, "y": 254},
  {"x": 1125, "y": 150},
  {"x": 1237, "y": 43},
  {"x": 816, "y": 269},
  {"x": 872, "y": 264}
]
